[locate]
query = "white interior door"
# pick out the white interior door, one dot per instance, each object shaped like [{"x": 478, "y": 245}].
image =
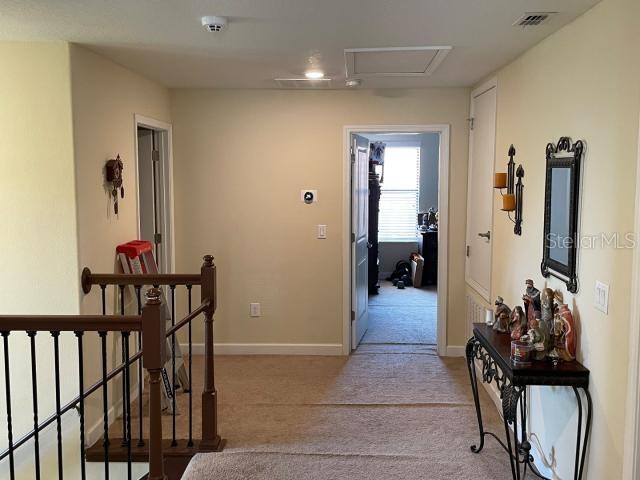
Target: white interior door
[
  {"x": 482, "y": 143},
  {"x": 360, "y": 244},
  {"x": 153, "y": 194}
]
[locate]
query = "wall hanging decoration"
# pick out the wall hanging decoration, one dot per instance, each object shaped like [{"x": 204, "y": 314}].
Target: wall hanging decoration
[
  {"x": 561, "y": 203},
  {"x": 512, "y": 200},
  {"x": 113, "y": 171}
]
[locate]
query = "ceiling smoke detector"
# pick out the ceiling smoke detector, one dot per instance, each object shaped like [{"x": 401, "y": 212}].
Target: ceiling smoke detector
[
  {"x": 214, "y": 24},
  {"x": 533, "y": 19}
]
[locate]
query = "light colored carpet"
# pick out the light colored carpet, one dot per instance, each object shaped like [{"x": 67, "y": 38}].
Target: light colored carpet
[
  {"x": 401, "y": 325},
  {"x": 402, "y": 317},
  {"x": 372, "y": 415},
  {"x": 391, "y": 296}
]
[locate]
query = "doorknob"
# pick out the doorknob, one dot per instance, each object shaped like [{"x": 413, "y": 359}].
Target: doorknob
[
  {"x": 485, "y": 235},
  {"x": 369, "y": 245}
]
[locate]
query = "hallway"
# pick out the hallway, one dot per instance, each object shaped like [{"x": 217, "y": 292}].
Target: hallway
[{"x": 372, "y": 415}]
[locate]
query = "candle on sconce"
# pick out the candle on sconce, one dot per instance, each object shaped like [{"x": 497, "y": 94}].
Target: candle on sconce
[
  {"x": 488, "y": 317},
  {"x": 500, "y": 180},
  {"x": 509, "y": 202}
]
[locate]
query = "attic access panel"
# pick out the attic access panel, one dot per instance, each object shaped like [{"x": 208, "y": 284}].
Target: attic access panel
[{"x": 394, "y": 61}]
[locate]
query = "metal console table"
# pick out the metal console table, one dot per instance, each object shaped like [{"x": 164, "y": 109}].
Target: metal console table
[{"x": 493, "y": 351}]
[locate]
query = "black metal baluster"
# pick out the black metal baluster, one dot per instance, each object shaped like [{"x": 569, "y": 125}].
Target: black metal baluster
[
  {"x": 34, "y": 385},
  {"x": 127, "y": 398},
  {"x": 105, "y": 406},
  {"x": 83, "y": 474},
  {"x": 103, "y": 294},
  {"x": 7, "y": 385},
  {"x": 190, "y": 442},
  {"x": 56, "y": 369},
  {"x": 124, "y": 377},
  {"x": 173, "y": 366},
  {"x": 140, "y": 376}
]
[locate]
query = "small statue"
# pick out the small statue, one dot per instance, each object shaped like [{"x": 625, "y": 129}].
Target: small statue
[
  {"x": 568, "y": 331},
  {"x": 540, "y": 338},
  {"x": 501, "y": 315},
  {"x": 531, "y": 299},
  {"x": 547, "y": 307},
  {"x": 518, "y": 323}
]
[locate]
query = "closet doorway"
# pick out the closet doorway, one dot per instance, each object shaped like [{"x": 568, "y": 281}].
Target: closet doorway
[{"x": 397, "y": 288}]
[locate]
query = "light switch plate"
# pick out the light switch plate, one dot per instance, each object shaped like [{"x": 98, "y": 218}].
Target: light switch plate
[
  {"x": 322, "y": 231},
  {"x": 254, "y": 310},
  {"x": 601, "y": 297}
]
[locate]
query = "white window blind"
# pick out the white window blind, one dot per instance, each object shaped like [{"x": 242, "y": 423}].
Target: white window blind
[{"x": 398, "y": 218}]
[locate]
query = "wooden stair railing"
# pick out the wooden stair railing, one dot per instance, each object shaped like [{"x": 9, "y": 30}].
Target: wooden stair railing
[
  {"x": 152, "y": 329},
  {"x": 167, "y": 457},
  {"x": 174, "y": 448}
]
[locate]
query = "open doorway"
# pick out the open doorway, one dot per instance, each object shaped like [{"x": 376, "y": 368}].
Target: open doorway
[
  {"x": 155, "y": 189},
  {"x": 398, "y": 218}
]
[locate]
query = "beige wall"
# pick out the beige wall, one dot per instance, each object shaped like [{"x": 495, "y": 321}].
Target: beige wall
[
  {"x": 39, "y": 249},
  {"x": 105, "y": 98},
  {"x": 584, "y": 82},
  {"x": 241, "y": 159}
]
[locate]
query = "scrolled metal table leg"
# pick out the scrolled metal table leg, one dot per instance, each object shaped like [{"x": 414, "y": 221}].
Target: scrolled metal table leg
[
  {"x": 509, "y": 403},
  {"x": 470, "y": 353},
  {"x": 581, "y": 444}
]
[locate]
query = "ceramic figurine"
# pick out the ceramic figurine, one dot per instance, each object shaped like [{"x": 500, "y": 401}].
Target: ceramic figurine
[
  {"x": 540, "y": 338},
  {"x": 501, "y": 315},
  {"x": 569, "y": 330},
  {"x": 518, "y": 323},
  {"x": 547, "y": 307},
  {"x": 531, "y": 299}
]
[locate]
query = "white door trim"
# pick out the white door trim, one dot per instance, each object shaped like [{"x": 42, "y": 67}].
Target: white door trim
[
  {"x": 443, "y": 220},
  {"x": 485, "y": 87},
  {"x": 631, "y": 463},
  {"x": 152, "y": 123}
]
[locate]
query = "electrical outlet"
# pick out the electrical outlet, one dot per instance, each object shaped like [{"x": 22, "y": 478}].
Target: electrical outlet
[
  {"x": 322, "y": 231},
  {"x": 601, "y": 297},
  {"x": 254, "y": 310}
]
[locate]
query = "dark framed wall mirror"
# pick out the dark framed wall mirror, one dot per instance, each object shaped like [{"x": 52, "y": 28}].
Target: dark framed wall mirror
[{"x": 561, "y": 205}]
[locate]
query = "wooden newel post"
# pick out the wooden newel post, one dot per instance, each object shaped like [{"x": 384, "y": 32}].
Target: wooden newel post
[
  {"x": 211, "y": 441},
  {"x": 154, "y": 338}
]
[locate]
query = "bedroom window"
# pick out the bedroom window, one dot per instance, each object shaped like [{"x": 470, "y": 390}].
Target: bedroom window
[{"x": 399, "y": 193}]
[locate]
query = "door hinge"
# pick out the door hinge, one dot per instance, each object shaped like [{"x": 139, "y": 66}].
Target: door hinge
[
  {"x": 468, "y": 250},
  {"x": 155, "y": 155},
  {"x": 353, "y": 315},
  {"x": 157, "y": 238},
  {"x": 353, "y": 158},
  {"x": 471, "y": 121},
  {"x": 353, "y": 237}
]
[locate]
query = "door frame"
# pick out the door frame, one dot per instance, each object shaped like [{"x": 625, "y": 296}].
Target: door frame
[
  {"x": 443, "y": 221},
  {"x": 484, "y": 88},
  {"x": 631, "y": 460},
  {"x": 166, "y": 157}
]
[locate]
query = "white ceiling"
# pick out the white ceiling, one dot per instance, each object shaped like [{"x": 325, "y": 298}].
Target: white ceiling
[{"x": 266, "y": 39}]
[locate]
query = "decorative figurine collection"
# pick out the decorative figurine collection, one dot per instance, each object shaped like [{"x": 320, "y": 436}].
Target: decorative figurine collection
[{"x": 543, "y": 329}]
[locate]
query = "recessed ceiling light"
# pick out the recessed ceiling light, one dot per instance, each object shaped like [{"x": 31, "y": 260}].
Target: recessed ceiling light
[
  {"x": 353, "y": 82},
  {"x": 314, "y": 74}
]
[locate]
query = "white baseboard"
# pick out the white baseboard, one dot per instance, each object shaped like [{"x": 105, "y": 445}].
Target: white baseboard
[
  {"x": 329, "y": 349},
  {"x": 454, "y": 351}
]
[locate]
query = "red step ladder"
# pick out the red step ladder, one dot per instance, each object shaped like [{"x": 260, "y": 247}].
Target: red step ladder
[{"x": 136, "y": 257}]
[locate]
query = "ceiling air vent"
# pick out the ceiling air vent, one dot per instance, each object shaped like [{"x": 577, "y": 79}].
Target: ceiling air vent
[
  {"x": 533, "y": 19},
  {"x": 298, "y": 83}
]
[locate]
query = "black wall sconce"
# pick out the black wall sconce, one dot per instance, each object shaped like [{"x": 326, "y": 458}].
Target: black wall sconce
[
  {"x": 512, "y": 200},
  {"x": 113, "y": 171}
]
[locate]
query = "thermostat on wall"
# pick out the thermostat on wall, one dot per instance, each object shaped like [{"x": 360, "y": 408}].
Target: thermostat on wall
[{"x": 309, "y": 196}]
